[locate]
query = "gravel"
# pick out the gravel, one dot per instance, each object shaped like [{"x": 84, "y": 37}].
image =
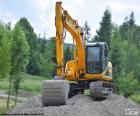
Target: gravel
[
  {"x": 80, "y": 105},
  {"x": 26, "y": 94}
]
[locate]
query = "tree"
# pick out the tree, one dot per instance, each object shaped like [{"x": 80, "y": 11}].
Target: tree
[
  {"x": 86, "y": 31},
  {"x": 43, "y": 43},
  {"x": 8, "y": 26},
  {"x": 130, "y": 32},
  {"x": 104, "y": 33},
  {"x": 136, "y": 36},
  {"x": 34, "y": 56},
  {"x": 47, "y": 63},
  {"x": 117, "y": 52},
  {"x": 132, "y": 60},
  {"x": 127, "y": 26},
  {"x": 67, "y": 55},
  {"x": 53, "y": 48},
  {"x": 19, "y": 57},
  {"x": 5, "y": 53},
  {"x": 131, "y": 21},
  {"x": 127, "y": 84},
  {"x": 5, "y": 58}
]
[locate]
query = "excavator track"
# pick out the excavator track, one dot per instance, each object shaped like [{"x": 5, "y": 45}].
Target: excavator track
[
  {"x": 54, "y": 92},
  {"x": 101, "y": 89}
]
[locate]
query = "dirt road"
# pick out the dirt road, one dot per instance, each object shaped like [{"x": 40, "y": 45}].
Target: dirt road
[{"x": 81, "y": 105}]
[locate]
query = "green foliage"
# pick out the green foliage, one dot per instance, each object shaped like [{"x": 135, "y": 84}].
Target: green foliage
[
  {"x": 29, "y": 33},
  {"x": 19, "y": 58},
  {"x": 32, "y": 77},
  {"x": 104, "y": 33},
  {"x": 133, "y": 59},
  {"x": 25, "y": 83},
  {"x": 68, "y": 54},
  {"x": 41, "y": 55},
  {"x": 47, "y": 64},
  {"x": 34, "y": 66},
  {"x": 135, "y": 97},
  {"x": 5, "y": 46},
  {"x": 34, "y": 55},
  {"x": 4, "y": 85},
  {"x": 126, "y": 84},
  {"x": 125, "y": 56},
  {"x": 20, "y": 51},
  {"x": 116, "y": 53},
  {"x": 87, "y": 92},
  {"x": 129, "y": 32}
]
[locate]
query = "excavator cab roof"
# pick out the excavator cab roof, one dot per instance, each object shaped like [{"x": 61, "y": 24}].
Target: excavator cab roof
[{"x": 95, "y": 43}]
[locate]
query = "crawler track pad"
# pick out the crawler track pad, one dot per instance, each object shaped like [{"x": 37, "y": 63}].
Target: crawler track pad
[
  {"x": 54, "y": 92},
  {"x": 100, "y": 89}
]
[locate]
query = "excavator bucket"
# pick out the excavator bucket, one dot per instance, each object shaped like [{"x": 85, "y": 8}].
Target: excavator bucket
[{"x": 55, "y": 92}]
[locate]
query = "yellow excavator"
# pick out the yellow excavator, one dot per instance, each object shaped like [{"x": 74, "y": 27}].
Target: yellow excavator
[{"x": 90, "y": 68}]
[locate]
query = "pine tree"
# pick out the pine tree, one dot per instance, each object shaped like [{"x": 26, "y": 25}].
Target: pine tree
[
  {"x": 34, "y": 56},
  {"x": 129, "y": 32},
  {"x": 67, "y": 54},
  {"x": 86, "y": 31},
  {"x": 104, "y": 33},
  {"x": 47, "y": 59},
  {"x": 126, "y": 84},
  {"x": 127, "y": 26},
  {"x": 116, "y": 53},
  {"x": 131, "y": 20}
]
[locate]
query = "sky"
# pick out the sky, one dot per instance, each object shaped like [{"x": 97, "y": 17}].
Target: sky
[{"x": 41, "y": 13}]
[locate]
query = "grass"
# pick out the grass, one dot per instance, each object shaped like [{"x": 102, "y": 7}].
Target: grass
[
  {"x": 31, "y": 85},
  {"x": 135, "y": 97},
  {"x": 3, "y": 105},
  {"x": 4, "y": 85},
  {"x": 87, "y": 92},
  {"x": 28, "y": 82}
]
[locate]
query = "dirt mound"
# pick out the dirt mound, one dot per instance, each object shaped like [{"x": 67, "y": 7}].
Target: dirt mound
[{"x": 79, "y": 105}]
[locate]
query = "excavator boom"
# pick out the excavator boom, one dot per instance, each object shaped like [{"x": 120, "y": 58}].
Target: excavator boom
[{"x": 64, "y": 20}]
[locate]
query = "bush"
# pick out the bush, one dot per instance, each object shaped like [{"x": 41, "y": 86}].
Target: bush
[
  {"x": 126, "y": 84},
  {"x": 135, "y": 97}
]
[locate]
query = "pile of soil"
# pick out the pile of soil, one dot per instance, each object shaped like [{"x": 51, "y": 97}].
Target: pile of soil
[{"x": 79, "y": 105}]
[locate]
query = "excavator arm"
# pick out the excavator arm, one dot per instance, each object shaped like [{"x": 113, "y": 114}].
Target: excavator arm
[{"x": 64, "y": 20}]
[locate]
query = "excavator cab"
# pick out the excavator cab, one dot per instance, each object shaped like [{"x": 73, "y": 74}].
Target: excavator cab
[{"x": 96, "y": 57}]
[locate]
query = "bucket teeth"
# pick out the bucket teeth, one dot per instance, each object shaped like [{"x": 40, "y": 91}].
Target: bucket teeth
[{"x": 55, "y": 92}]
